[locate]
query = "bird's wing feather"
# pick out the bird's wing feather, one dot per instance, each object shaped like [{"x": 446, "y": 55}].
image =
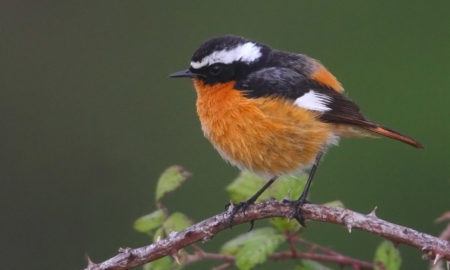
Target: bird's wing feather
[{"x": 304, "y": 92}]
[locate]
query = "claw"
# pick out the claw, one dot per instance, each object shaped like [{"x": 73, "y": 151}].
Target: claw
[
  {"x": 297, "y": 213},
  {"x": 242, "y": 206}
]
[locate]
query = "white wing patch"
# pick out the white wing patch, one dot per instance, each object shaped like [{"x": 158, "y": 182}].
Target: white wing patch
[
  {"x": 247, "y": 52},
  {"x": 314, "y": 101}
]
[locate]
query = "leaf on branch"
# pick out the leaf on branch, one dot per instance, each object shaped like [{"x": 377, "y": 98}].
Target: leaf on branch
[
  {"x": 288, "y": 185},
  {"x": 285, "y": 225},
  {"x": 244, "y": 186},
  {"x": 159, "y": 234},
  {"x": 388, "y": 255},
  {"x": 311, "y": 265},
  {"x": 176, "y": 222},
  {"x": 253, "y": 247},
  {"x": 170, "y": 180},
  {"x": 148, "y": 223}
]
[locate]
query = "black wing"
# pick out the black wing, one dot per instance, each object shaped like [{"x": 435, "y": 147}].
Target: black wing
[{"x": 287, "y": 83}]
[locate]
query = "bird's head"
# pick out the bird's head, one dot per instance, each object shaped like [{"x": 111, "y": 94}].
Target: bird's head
[{"x": 223, "y": 59}]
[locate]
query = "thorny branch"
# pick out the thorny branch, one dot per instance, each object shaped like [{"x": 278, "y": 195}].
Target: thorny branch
[{"x": 433, "y": 247}]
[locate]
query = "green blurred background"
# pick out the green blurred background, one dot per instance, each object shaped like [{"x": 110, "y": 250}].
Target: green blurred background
[{"x": 90, "y": 119}]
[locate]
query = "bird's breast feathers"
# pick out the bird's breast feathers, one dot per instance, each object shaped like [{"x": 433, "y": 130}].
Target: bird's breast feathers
[{"x": 267, "y": 135}]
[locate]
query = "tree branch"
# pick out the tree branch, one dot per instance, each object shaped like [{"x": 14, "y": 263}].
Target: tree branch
[
  {"x": 127, "y": 258},
  {"x": 330, "y": 257}
]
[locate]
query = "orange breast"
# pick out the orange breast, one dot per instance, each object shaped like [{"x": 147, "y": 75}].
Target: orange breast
[{"x": 264, "y": 135}]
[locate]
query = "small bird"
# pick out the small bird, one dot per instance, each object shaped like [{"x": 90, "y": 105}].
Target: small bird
[{"x": 272, "y": 112}]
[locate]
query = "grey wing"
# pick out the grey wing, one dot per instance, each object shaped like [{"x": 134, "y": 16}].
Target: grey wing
[{"x": 304, "y": 92}]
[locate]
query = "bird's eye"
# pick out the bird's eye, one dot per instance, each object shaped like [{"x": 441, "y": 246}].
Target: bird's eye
[{"x": 215, "y": 70}]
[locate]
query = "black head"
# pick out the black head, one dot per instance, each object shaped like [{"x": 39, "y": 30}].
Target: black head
[{"x": 224, "y": 59}]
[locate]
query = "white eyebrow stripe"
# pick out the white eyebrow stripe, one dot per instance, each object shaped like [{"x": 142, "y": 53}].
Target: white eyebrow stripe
[
  {"x": 314, "y": 101},
  {"x": 247, "y": 52}
]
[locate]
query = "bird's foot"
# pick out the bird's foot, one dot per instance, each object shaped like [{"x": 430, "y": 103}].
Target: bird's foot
[
  {"x": 239, "y": 207},
  {"x": 297, "y": 213}
]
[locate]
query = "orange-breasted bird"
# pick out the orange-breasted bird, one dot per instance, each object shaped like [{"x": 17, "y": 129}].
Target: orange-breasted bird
[{"x": 272, "y": 112}]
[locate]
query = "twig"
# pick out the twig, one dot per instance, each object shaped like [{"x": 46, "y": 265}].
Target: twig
[
  {"x": 339, "y": 259},
  {"x": 292, "y": 253},
  {"x": 329, "y": 256},
  {"x": 128, "y": 258},
  {"x": 200, "y": 254}
]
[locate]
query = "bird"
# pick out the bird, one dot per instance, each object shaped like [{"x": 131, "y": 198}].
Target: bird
[{"x": 273, "y": 112}]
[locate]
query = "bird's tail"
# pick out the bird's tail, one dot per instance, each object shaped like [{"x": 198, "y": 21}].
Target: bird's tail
[{"x": 384, "y": 131}]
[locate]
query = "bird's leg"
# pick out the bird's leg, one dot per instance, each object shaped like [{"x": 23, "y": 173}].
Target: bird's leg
[
  {"x": 302, "y": 199},
  {"x": 242, "y": 206}
]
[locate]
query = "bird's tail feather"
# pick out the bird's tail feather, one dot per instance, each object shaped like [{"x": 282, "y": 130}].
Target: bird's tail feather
[{"x": 384, "y": 131}]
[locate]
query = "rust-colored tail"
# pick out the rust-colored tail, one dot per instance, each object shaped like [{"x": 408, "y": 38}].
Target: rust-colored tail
[{"x": 394, "y": 135}]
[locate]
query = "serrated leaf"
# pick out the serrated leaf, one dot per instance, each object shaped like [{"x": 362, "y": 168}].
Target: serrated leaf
[
  {"x": 147, "y": 223},
  {"x": 164, "y": 263},
  {"x": 388, "y": 255},
  {"x": 244, "y": 186},
  {"x": 310, "y": 265},
  {"x": 253, "y": 247},
  {"x": 170, "y": 179},
  {"x": 176, "y": 222}
]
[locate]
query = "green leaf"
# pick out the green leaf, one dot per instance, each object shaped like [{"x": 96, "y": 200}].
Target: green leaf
[
  {"x": 244, "y": 186},
  {"x": 253, "y": 247},
  {"x": 170, "y": 179},
  {"x": 231, "y": 247},
  {"x": 310, "y": 265},
  {"x": 147, "y": 223},
  {"x": 176, "y": 222},
  {"x": 283, "y": 225},
  {"x": 159, "y": 234},
  {"x": 388, "y": 255},
  {"x": 288, "y": 185},
  {"x": 247, "y": 184},
  {"x": 164, "y": 263}
]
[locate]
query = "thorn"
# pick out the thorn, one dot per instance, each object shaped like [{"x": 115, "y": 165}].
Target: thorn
[
  {"x": 349, "y": 227},
  {"x": 437, "y": 257},
  {"x": 176, "y": 258},
  {"x": 230, "y": 206},
  {"x": 252, "y": 224},
  {"x": 373, "y": 212},
  {"x": 124, "y": 250},
  {"x": 287, "y": 198},
  {"x": 425, "y": 248},
  {"x": 90, "y": 262}
]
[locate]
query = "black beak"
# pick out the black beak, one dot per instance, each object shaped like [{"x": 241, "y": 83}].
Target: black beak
[{"x": 184, "y": 73}]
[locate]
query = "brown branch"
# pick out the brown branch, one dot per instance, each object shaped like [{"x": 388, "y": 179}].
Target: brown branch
[
  {"x": 128, "y": 258},
  {"x": 330, "y": 255},
  {"x": 338, "y": 259},
  {"x": 292, "y": 253}
]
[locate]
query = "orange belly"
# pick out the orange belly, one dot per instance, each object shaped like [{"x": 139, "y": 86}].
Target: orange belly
[{"x": 264, "y": 135}]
